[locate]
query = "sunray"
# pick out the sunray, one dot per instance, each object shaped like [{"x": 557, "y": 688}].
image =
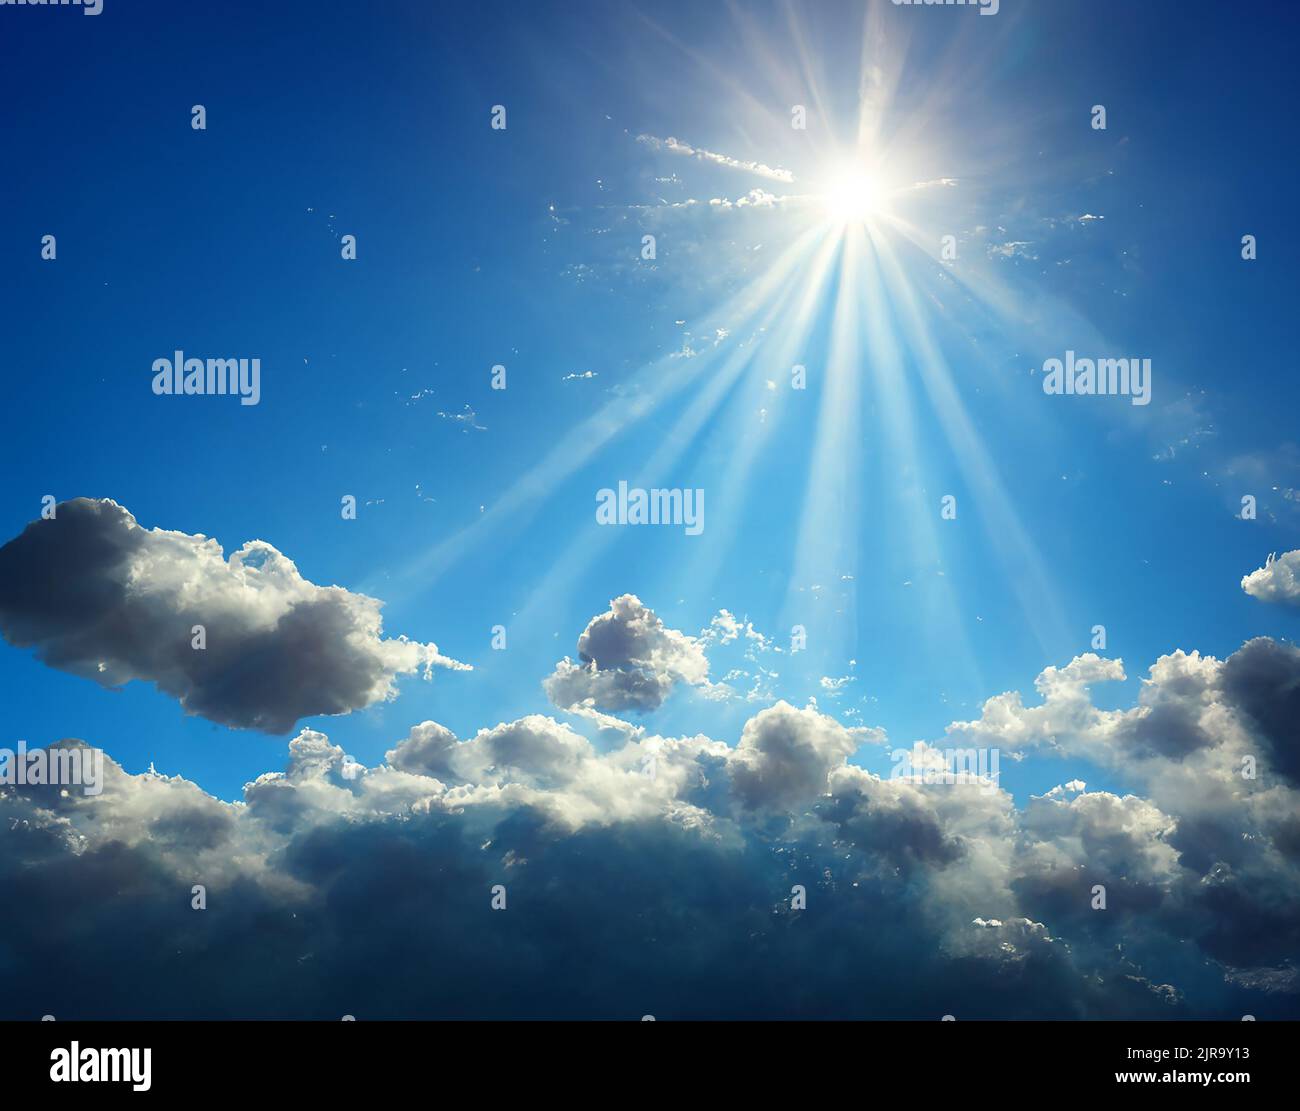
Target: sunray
[
  {"x": 785, "y": 350},
  {"x": 896, "y": 426},
  {"x": 1025, "y": 306},
  {"x": 649, "y": 389},
  {"x": 585, "y": 548},
  {"x": 1039, "y": 603},
  {"x": 825, "y": 546}
]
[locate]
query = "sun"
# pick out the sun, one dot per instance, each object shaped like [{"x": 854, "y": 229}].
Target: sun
[{"x": 852, "y": 196}]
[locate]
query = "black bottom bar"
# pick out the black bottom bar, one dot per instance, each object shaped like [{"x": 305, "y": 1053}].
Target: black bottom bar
[{"x": 1218, "y": 1061}]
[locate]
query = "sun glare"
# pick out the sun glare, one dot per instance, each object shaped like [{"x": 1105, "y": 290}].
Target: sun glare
[{"x": 852, "y": 197}]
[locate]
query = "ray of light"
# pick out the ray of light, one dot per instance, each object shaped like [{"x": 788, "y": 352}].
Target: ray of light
[
  {"x": 880, "y": 65},
  {"x": 987, "y": 288},
  {"x": 583, "y": 550},
  {"x": 1040, "y": 606},
  {"x": 649, "y": 389},
  {"x": 748, "y": 439},
  {"x": 825, "y": 547},
  {"x": 896, "y": 429}
]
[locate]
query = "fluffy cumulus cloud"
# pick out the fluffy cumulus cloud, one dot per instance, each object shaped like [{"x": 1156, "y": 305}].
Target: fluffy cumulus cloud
[
  {"x": 1277, "y": 581},
  {"x": 628, "y": 659},
  {"x": 785, "y": 757},
  {"x": 96, "y": 594},
  {"x": 658, "y": 875}
]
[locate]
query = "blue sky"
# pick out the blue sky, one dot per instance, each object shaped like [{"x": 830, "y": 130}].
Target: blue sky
[
  {"x": 521, "y": 247},
  {"x": 525, "y": 247}
]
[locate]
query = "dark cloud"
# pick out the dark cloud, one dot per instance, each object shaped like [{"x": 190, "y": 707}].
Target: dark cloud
[
  {"x": 97, "y": 595},
  {"x": 360, "y": 910},
  {"x": 1262, "y": 679},
  {"x": 896, "y": 826}
]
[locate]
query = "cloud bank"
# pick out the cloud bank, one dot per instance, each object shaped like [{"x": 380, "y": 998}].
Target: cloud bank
[{"x": 664, "y": 876}]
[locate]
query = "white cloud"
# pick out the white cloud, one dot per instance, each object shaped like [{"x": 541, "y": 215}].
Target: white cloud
[
  {"x": 675, "y": 146},
  {"x": 786, "y": 755},
  {"x": 627, "y": 660},
  {"x": 1277, "y": 581}
]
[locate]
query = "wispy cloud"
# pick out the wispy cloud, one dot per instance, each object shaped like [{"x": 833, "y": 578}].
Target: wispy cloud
[
  {"x": 937, "y": 183},
  {"x": 1015, "y": 249},
  {"x": 466, "y": 418},
  {"x": 676, "y": 146}
]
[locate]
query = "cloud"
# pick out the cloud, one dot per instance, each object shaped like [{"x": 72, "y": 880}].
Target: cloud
[
  {"x": 1277, "y": 581},
  {"x": 675, "y": 146},
  {"x": 1066, "y": 711},
  {"x": 834, "y": 687},
  {"x": 786, "y": 755},
  {"x": 937, "y": 183},
  {"x": 1261, "y": 682},
  {"x": 1122, "y": 842},
  {"x": 627, "y": 660},
  {"x": 1014, "y": 249},
  {"x": 536, "y": 750},
  {"x": 97, "y": 595},
  {"x": 755, "y": 198},
  {"x": 466, "y": 418},
  {"x": 1216, "y": 746},
  {"x": 630, "y": 873}
]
